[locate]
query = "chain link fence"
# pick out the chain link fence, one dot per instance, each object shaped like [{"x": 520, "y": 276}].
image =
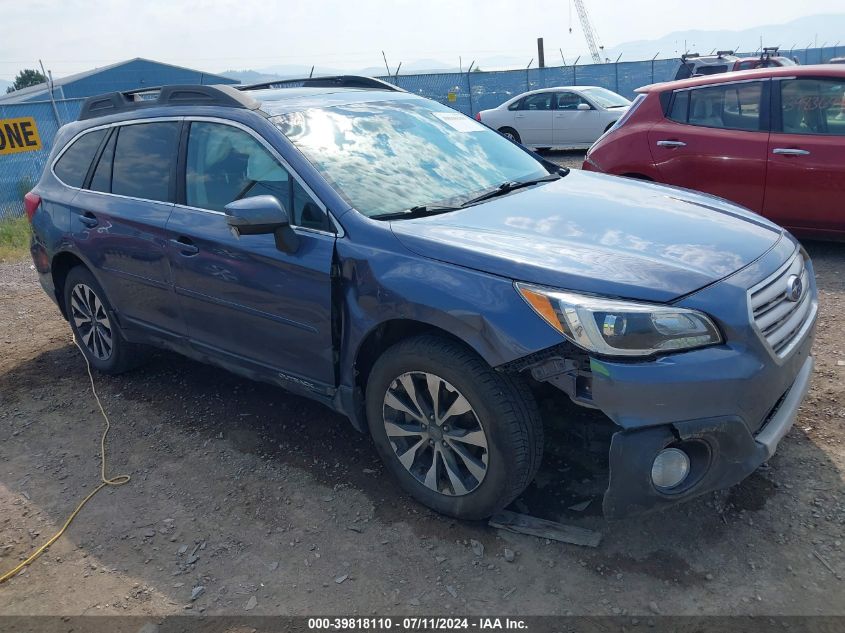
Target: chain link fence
[
  {"x": 20, "y": 171},
  {"x": 467, "y": 92}
]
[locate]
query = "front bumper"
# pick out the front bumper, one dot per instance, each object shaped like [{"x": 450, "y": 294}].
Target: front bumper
[
  {"x": 729, "y": 404},
  {"x": 733, "y": 453}
]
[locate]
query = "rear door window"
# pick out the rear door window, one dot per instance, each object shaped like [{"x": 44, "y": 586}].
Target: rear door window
[
  {"x": 542, "y": 101},
  {"x": 73, "y": 166},
  {"x": 729, "y": 107},
  {"x": 813, "y": 106},
  {"x": 144, "y": 160}
]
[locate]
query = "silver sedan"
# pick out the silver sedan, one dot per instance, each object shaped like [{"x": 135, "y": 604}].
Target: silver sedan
[{"x": 570, "y": 117}]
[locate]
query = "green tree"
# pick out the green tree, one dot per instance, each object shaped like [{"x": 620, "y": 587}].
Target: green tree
[{"x": 25, "y": 78}]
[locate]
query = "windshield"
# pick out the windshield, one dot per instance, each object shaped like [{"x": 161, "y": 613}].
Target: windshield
[
  {"x": 605, "y": 98},
  {"x": 388, "y": 156}
]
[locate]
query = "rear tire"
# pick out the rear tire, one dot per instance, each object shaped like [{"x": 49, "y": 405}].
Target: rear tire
[
  {"x": 95, "y": 327},
  {"x": 510, "y": 134},
  {"x": 459, "y": 437}
]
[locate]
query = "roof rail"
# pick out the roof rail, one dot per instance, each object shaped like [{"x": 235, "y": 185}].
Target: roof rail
[
  {"x": 770, "y": 51},
  {"x": 336, "y": 81},
  {"x": 114, "y": 102}
]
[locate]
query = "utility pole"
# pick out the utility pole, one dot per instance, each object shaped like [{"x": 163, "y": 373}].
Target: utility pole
[
  {"x": 48, "y": 77},
  {"x": 541, "y": 58}
]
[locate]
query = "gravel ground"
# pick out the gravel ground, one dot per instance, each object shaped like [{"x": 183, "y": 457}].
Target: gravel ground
[
  {"x": 251, "y": 500},
  {"x": 566, "y": 158}
]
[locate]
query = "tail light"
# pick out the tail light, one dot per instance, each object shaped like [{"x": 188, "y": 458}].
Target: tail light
[
  {"x": 31, "y": 201},
  {"x": 478, "y": 116}
]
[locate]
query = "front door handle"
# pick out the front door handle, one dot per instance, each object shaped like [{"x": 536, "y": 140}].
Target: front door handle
[
  {"x": 671, "y": 144},
  {"x": 789, "y": 151},
  {"x": 185, "y": 246},
  {"x": 89, "y": 219}
]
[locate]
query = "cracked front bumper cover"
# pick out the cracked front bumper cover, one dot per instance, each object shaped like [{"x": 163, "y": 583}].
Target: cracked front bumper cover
[{"x": 734, "y": 453}]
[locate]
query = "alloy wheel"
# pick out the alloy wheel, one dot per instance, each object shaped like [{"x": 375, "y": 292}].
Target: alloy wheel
[
  {"x": 91, "y": 321},
  {"x": 435, "y": 433}
]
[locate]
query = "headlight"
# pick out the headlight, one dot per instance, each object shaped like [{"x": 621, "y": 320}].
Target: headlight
[{"x": 620, "y": 328}]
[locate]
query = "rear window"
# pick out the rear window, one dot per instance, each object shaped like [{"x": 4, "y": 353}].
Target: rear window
[
  {"x": 711, "y": 70},
  {"x": 144, "y": 157},
  {"x": 74, "y": 163}
]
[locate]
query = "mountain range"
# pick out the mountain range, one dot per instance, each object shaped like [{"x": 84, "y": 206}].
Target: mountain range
[{"x": 806, "y": 32}]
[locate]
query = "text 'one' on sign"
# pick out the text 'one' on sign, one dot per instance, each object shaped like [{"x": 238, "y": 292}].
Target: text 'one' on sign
[{"x": 19, "y": 135}]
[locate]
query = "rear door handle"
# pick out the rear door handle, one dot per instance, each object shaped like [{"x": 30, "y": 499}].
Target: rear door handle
[
  {"x": 89, "y": 219},
  {"x": 671, "y": 144},
  {"x": 185, "y": 246},
  {"x": 789, "y": 151}
]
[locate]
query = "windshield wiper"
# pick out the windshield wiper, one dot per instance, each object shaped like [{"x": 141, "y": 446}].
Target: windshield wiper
[
  {"x": 511, "y": 185},
  {"x": 414, "y": 212}
]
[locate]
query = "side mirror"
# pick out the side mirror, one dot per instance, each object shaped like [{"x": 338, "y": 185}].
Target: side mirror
[
  {"x": 584, "y": 106},
  {"x": 261, "y": 215}
]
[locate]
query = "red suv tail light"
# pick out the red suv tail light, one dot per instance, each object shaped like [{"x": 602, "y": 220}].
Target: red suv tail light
[
  {"x": 478, "y": 116},
  {"x": 30, "y": 203}
]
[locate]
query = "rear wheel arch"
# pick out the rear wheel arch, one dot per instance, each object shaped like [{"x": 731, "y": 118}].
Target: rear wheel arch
[
  {"x": 59, "y": 268},
  {"x": 508, "y": 131}
]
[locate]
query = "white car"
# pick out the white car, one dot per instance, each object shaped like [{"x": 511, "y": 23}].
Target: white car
[{"x": 570, "y": 117}]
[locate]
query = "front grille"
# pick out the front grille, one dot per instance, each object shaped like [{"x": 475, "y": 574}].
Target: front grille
[{"x": 781, "y": 320}]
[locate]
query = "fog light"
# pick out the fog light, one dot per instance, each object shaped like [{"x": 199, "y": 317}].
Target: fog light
[{"x": 670, "y": 468}]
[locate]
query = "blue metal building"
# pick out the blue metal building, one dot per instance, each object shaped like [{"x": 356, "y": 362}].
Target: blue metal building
[{"x": 127, "y": 75}]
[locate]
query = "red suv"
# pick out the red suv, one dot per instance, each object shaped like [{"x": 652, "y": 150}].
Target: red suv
[{"x": 770, "y": 139}]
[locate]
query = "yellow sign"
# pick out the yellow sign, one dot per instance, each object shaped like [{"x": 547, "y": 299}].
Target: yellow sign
[
  {"x": 452, "y": 96},
  {"x": 19, "y": 135}
]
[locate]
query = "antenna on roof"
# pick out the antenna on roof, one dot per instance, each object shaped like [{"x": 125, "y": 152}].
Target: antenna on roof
[{"x": 311, "y": 74}]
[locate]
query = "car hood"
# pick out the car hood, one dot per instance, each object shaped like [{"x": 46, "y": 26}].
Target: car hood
[{"x": 598, "y": 234}]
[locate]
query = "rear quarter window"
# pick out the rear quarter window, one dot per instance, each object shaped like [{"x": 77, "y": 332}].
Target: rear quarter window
[
  {"x": 679, "y": 107},
  {"x": 73, "y": 166}
]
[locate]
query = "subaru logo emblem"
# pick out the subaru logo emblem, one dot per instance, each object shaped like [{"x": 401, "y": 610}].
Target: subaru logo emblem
[{"x": 794, "y": 288}]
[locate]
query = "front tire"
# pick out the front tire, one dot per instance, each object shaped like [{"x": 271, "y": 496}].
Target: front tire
[
  {"x": 510, "y": 134},
  {"x": 459, "y": 437},
  {"x": 94, "y": 326}
]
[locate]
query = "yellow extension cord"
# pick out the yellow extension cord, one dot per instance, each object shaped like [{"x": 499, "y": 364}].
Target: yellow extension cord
[{"x": 104, "y": 481}]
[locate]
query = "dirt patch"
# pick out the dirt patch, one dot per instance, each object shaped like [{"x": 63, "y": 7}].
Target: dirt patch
[{"x": 251, "y": 492}]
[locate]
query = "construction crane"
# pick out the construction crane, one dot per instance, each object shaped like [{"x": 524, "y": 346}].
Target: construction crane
[{"x": 589, "y": 32}]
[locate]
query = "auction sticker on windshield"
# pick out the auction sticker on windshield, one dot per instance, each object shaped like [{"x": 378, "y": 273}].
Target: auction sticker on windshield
[{"x": 459, "y": 121}]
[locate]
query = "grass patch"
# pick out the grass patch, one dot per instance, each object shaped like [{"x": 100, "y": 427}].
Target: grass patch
[{"x": 14, "y": 238}]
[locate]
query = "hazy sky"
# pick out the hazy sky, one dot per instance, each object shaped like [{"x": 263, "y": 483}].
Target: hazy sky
[{"x": 214, "y": 35}]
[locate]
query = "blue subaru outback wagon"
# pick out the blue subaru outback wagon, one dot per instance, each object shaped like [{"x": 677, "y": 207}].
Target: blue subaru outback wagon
[{"x": 431, "y": 280}]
